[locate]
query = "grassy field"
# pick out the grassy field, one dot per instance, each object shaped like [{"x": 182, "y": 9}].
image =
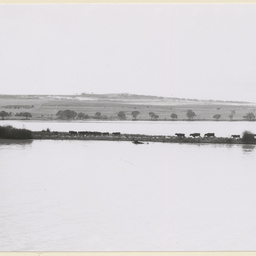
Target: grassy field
[{"x": 45, "y": 107}]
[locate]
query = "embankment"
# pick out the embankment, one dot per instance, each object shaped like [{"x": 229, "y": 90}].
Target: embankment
[{"x": 133, "y": 138}]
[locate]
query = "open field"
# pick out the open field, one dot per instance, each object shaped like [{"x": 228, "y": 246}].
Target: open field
[{"x": 45, "y": 107}]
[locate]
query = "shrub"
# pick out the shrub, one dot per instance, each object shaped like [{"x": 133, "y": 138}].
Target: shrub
[
  {"x": 248, "y": 137},
  {"x": 217, "y": 116},
  {"x": 8, "y": 132},
  {"x": 249, "y": 116}
]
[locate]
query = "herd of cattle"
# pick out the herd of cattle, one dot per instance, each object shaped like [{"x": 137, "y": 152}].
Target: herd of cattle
[
  {"x": 91, "y": 135},
  {"x": 207, "y": 135},
  {"x": 178, "y": 135}
]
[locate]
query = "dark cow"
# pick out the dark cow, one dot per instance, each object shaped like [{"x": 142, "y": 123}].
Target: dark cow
[
  {"x": 180, "y": 135},
  {"x": 209, "y": 135},
  {"x": 72, "y": 133},
  {"x": 235, "y": 136},
  {"x": 194, "y": 135},
  {"x": 116, "y": 133},
  {"x": 105, "y": 133}
]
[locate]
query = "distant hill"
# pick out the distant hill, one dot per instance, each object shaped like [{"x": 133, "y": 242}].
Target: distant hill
[{"x": 107, "y": 107}]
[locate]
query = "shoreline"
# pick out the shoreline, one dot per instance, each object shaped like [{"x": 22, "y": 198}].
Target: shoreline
[
  {"x": 134, "y": 138},
  {"x": 9, "y": 132}
]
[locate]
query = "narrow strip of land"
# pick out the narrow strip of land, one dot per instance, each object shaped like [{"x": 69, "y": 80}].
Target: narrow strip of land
[
  {"x": 135, "y": 138},
  {"x": 11, "y": 133}
]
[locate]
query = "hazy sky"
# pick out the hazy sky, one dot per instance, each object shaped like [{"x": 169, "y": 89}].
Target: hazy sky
[{"x": 180, "y": 50}]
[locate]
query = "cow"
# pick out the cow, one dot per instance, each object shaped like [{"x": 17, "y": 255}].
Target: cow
[
  {"x": 235, "y": 136},
  {"x": 180, "y": 135},
  {"x": 194, "y": 135},
  {"x": 209, "y": 135},
  {"x": 116, "y": 133}
]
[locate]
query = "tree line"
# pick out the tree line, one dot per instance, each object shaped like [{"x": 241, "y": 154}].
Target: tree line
[
  {"x": 5, "y": 114},
  {"x": 121, "y": 115}
]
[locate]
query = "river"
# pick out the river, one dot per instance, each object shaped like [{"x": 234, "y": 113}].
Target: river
[{"x": 117, "y": 196}]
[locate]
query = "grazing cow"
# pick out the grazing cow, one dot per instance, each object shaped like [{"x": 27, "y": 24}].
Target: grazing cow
[
  {"x": 72, "y": 133},
  {"x": 116, "y": 133},
  {"x": 235, "y": 136},
  {"x": 105, "y": 133},
  {"x": 180, "y": 135},
  {"x": 194, "y": 135},
  {"x": 209, "y": 135}
]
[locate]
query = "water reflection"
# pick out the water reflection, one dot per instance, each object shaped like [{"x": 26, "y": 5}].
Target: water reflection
[
  {"x": 248, "y": 148},
  {"x": 21, "y": 143}
]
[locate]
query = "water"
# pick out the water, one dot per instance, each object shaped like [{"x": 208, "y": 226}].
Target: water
[
  {"x": 117, "y": 196},
  {"x": 221, "y": 129}
]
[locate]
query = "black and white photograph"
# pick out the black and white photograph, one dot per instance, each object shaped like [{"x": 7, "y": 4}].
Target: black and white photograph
[{"x": 127, "y": 127}]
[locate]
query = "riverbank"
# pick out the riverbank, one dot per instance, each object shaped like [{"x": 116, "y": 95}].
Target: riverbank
[
  {"x": 9, "y": 132},
  {"x": 135, "y": 138}
]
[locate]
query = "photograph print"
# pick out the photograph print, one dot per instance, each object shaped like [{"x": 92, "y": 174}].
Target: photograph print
[{"x": 127, "y": 127}]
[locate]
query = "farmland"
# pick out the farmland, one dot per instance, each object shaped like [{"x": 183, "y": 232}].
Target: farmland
[{"x": 45, "y": 107}]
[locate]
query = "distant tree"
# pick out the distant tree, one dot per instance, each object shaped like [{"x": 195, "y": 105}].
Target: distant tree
[
  {"x": 217, "y": 116},
  {"x": 25, "y": 114},
  {"x": 121, "y": 115},
  {"x": 249, "y": 116},
  {"x": 153, "y": 116},
  {"x": 82, "y": 116},
  {"x": 98, "y": 114},
  {"x": 135, "y": 114},
  {"x": 190, "y": 114},
  {"x": 156, "y": 117},
  {"x": 231, "y": 115},
  {"x": 3, "y": 114},
  {"x": 66, "y": 114},
  {"x": 174, "y": 116}
]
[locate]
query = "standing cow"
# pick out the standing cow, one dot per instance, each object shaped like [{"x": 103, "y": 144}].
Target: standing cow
[
  {"x": 209, "y": 135},
  {"x": 194, "y": 135}
]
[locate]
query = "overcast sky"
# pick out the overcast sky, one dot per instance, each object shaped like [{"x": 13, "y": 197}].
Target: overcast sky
[{"x": 178, "y": 50}]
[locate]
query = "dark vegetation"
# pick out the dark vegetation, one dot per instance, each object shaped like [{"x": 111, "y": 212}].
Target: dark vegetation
[
  {"x": 190, "y": 114},
  {"x": 217, "y": 116},
  {"x": 9, "y": 132},
  {"x": 24, "y": 114},
  {"x": 174, "y": 116},
  {"x": 248, "y": 137},
  {"x": 4, "y": 114},
  {"x": 249, "y": 116}
]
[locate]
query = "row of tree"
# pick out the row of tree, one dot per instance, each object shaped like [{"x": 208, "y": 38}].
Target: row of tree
[
  {"x": 5, "y": 114},
  {"x": 70, "y": 114}
]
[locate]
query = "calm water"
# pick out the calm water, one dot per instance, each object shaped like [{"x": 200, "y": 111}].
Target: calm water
[
  {"x": 221, "y": 129},
  {"x": 117, "y": 196}
]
